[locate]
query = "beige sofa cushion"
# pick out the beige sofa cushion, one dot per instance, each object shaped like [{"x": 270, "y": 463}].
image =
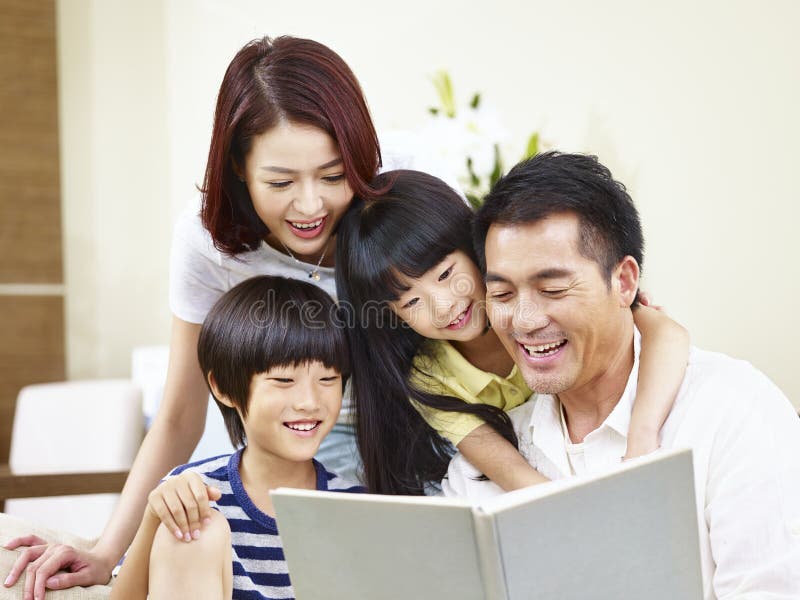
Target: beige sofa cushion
[{"x": 11, "y": 527}]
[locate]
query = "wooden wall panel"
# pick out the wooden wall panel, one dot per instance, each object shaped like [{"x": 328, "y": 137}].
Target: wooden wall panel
[
  {"x": 30, "y": 217},
  {"x": 31, "y": 351},
  {"x": 31, "y": 326}
]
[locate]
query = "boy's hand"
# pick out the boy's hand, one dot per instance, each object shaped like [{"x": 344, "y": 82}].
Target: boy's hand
[{"x": 181, "y": 503}]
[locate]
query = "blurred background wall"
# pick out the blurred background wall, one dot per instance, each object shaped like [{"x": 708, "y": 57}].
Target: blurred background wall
[{"x": 692, "y": 104}]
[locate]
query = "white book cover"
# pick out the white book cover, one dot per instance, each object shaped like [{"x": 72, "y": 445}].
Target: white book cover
[{"x": 630, "y": 533}]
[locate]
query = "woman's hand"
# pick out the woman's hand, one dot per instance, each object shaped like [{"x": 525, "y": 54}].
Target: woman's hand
[
  {"x": 181, "y": 503},
  {"x": 54, "y": 566}
]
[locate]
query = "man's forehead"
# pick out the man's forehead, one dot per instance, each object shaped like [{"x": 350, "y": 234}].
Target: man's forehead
[{"x": 551, "y": 238}]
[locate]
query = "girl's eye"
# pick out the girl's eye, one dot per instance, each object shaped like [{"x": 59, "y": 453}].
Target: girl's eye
[
  {"x": 410, "y": 303},
  {"x": 279, "y": 184},
  {"x": 445, "y": 274},
  {"x": 333, "y": 178}
]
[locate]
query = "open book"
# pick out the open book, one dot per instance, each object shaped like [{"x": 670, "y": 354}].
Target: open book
[{"x": 631, "y": 534}]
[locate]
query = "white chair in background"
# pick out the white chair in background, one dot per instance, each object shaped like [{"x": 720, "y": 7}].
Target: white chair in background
[{"x": 67, "y": 438}]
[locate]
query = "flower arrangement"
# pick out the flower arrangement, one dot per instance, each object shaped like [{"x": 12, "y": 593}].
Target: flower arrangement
[{"x": 469, "y": 139}]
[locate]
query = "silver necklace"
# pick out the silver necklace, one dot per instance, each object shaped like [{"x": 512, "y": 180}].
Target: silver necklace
[{"x": 313, "y": 273}]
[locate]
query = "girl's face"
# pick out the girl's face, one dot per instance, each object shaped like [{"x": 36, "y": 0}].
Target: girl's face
[
  {"x": 295, "y": 177},
  {"x": 291, "y": 409},
  {"x": 447, "y": 302}
]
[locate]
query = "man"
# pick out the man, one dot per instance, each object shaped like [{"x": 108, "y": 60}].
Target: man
[{"x": 560, "y": 246}]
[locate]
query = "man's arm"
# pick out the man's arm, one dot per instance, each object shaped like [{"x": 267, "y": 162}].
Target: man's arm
[{"x": 753, "y": 495}]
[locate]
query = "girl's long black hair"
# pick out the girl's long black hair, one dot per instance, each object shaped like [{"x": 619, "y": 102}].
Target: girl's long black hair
[{"x": 408, "y": 230}]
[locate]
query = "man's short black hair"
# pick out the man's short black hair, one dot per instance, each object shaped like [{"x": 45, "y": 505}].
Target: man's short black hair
[
  {"x": 555, "y": 183},
  {"x": 262, "y": 323}
]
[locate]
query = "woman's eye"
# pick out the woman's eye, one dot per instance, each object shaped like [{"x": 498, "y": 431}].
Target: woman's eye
[
  {"x": 411, "y": 303},
  {"x": 445, "y": 274},
  {"x": 279, "y": 184},
  {"x": 333, "y": 178}
]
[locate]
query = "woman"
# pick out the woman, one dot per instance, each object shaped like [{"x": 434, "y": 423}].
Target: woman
[{"x": 292, "y": 142}]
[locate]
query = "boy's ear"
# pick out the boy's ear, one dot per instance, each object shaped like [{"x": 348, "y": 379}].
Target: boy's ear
[{"x": 216, "y": 393}]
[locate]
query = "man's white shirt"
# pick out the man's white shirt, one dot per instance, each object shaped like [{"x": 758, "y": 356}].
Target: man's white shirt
[{"x": 745, "y": 438}]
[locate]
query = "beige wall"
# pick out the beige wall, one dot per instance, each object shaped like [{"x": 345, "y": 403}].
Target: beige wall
[{"x": 693, "y": 105}]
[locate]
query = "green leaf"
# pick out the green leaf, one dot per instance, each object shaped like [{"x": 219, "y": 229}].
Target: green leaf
[
  {"x": 497, "y": 172},
  {"x": 433, "y": 111},
  {"x": 444, "y": 87},
  {"x": 474, "y": 180},
  {"x": 474, "y": 200},
  {"x": 476, "y": 100},
  {"x": 533, "y": 146}
]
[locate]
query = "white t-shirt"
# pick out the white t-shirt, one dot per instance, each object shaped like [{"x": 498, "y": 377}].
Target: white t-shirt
[
  {"x": 200, "y": 274},
  {"x": 745, "y": 438}
]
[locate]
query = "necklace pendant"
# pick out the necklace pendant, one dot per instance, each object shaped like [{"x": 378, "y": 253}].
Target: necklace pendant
[{"x": 314, "y": 275}]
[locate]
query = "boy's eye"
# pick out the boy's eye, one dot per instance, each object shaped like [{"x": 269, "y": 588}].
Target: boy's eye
[
  {"x": 410, "y": 303},
  {"x": 445, "y": 274},
  {"x": 282, "y": 379},
  {"x": 330, "y": 379},
  {"x": 333, "y": 178},
  {"x": 279, "y": 184}
]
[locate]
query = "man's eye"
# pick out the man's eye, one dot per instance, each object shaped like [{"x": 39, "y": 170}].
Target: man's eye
[
  {"x": 411, "y": 303},
  {"x": 279, "y": 184},
  {"x": 333, "y": 178},
  {"x": 445, "y": 274},
  {"x": 499, "y": 295},
  {"x": 557, "y": 292}
]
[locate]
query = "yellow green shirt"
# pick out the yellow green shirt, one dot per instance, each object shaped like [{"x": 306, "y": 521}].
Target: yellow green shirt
[{"x": 447, "y": 372}]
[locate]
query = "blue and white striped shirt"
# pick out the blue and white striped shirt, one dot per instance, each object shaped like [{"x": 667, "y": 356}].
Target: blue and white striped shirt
[{"x": 259, "y": 567}]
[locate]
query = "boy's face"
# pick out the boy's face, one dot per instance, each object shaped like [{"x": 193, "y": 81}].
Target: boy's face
[{"x": 291, "y": 409}]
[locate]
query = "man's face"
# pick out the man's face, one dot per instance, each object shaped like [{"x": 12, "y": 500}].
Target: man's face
[{"x": 551, "y": 306}]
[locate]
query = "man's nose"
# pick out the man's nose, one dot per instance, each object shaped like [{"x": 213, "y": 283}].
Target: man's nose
[{"x": 529, "y": 316}]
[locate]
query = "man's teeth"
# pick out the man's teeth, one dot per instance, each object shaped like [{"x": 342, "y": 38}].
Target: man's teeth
[
  {"x": 302, "y": 426},
  {"x": 307, "y": 225},
  {"x": 544, "y": 349}
]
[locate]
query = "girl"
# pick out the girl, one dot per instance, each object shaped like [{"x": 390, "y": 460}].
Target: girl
[
  {"x": 274, "y": 355},
  {"x": 413, "y": 243},
  {"x": 292, "y": 142}
]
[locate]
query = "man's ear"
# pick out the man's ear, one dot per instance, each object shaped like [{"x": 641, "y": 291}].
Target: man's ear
[
  {"x": 216, "y": 393},
  {"x": 625, "y": 281}
]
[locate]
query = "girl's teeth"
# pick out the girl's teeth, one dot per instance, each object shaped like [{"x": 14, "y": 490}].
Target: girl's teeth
[{"x": 458, "y": 318}]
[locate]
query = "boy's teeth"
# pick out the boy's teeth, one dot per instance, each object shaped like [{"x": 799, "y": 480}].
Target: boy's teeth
[
  {"x": 302, "y": 426},
  {"x": 306, "y": 225},
  {"x": 544, "y": 349}
]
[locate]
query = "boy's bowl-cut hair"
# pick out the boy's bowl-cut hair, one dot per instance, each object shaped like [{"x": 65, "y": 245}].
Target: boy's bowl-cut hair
[{"x": 262, "y": 323}]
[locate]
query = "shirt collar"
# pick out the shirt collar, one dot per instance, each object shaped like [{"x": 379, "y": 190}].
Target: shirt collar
[
  {"x": 470, "y": 377},
  {"x": 545, "y": 421}
]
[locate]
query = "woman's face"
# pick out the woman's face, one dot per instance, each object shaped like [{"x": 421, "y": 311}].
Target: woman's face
[
  {"x": 447, "y": 302},
  {"x": 295, "y": 177}
]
